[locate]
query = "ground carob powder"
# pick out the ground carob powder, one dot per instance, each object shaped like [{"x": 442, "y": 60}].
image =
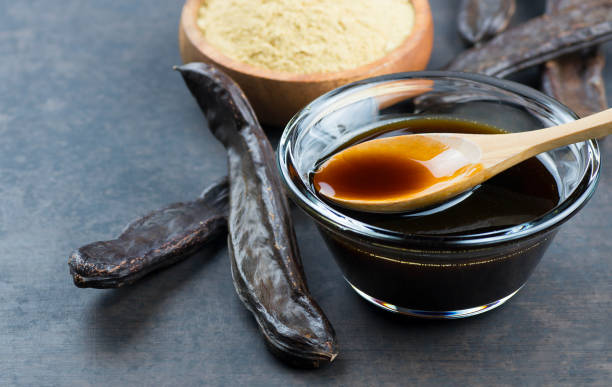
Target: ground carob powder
[{"x": 306, "y": 36}]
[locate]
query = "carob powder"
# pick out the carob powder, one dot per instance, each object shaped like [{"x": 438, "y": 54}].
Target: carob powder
[{"x": 306, "y": 36}]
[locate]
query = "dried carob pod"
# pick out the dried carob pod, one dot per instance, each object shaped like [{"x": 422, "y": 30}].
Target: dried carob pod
[
  {"x": 159, "y": 239},
  {"x": 540, "y": 39},
  {"x": 576, "y": 79},
  {"x": 480, "y": 20},
  {"x": 266, "y": 266}
]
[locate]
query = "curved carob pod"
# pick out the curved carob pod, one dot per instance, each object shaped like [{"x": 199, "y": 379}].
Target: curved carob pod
[
  {"x": 540, "y": 39},
  {"x": 576, "y": 79},
  {"x": 159, "y": 239},
  {"x": 480, "y": 20},
  {"x": 266, "y": 266}
]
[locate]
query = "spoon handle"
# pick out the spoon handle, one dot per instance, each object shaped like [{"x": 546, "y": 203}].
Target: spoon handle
[
  {"x": 505, "y": 150},
  {"x": 594, "y": 126}
]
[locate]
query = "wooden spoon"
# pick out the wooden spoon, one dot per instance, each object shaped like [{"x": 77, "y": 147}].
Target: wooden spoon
[{"x": 410, "y": 172}]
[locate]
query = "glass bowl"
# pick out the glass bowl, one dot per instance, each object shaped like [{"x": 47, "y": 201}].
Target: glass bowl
[{"x": 433, "y": 275}]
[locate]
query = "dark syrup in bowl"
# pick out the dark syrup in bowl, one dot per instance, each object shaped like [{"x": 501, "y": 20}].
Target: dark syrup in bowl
[{"x": 426, "y": 277}]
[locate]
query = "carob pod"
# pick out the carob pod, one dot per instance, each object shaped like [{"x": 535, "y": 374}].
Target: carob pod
[
  {"x": 480, "y": 20},
  {"x": 266, "y": 266},
  {"x": 576, "y": 79},
  {"x": 159, "y": 239},
  {"x": 540, "y": 39}
]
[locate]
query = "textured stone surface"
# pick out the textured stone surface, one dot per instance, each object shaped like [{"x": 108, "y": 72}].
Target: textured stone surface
[{"x": 95, "y": 129}]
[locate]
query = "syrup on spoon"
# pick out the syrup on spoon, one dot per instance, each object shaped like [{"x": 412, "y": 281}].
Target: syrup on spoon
[{"x": 410, "y": 172}]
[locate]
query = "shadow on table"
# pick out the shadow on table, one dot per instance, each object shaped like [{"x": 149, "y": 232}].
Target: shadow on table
[
  {"x": 121, "y": 315},
  {"x": 479, "y": 339}
]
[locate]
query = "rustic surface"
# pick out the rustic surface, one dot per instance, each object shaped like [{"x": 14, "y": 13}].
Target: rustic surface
[{"x": 96, "y": 129}]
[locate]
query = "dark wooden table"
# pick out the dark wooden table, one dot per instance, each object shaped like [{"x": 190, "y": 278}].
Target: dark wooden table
[{"x": 96, "y": 129}]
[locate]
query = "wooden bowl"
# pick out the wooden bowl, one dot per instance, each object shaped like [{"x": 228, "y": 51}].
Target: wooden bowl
[{"x": 277, "y": 96}]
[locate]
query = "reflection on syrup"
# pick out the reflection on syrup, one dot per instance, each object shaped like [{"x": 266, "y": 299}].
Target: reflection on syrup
[{"x": 390, "y": 168}]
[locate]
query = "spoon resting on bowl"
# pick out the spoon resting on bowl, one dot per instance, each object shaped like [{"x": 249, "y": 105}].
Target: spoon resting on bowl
[{"x": 410, "y": 172}]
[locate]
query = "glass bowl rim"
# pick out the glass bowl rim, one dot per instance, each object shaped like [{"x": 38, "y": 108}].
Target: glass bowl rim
[{"x": 336, "y": 220}]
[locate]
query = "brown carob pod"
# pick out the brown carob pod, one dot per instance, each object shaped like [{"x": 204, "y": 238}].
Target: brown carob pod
[
  {"x": 576, "y": 79},
  {"x": 540, "y": 39},
  {"x": 159, "y": 239},
  {"x": 480, "y": 20},
  {"x": 266, "y": 266}
]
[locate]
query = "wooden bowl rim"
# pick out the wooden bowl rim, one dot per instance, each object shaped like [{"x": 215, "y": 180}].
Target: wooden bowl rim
[{"x": 421, "y": 27}]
